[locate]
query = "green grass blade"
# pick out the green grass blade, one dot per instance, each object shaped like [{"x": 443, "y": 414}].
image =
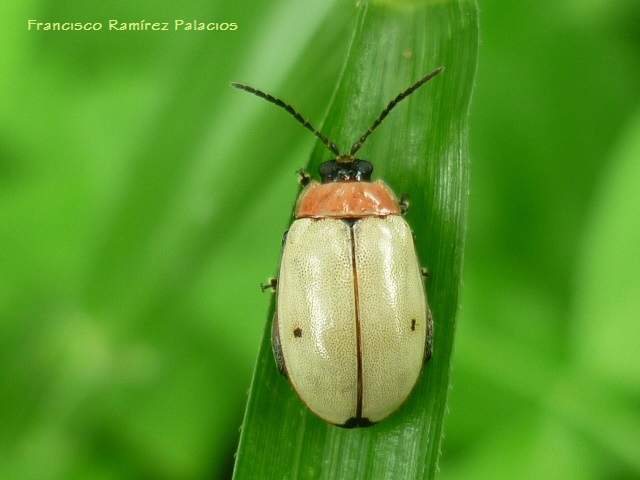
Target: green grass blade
[{"x": 421, "y": 150}]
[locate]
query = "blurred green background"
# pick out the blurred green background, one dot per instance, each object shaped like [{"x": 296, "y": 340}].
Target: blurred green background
[{"x": 142, "y": 202}]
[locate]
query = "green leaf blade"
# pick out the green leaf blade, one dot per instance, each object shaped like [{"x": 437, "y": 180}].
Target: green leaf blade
[{"x": 421, "y": 150}]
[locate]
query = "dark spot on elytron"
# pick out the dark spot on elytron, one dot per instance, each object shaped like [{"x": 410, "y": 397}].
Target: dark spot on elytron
[
  {"x": 297, "y": 332},
  {"x": 413, "y": 324}
]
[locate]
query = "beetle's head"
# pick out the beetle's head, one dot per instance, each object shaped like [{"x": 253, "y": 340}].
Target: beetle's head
[{"x": 345, "y": 169}]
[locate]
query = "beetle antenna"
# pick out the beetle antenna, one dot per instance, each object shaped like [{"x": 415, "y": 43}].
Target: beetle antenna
[
  {"x": 269, "y": 98},
  {"x": 356, "y": 146}
]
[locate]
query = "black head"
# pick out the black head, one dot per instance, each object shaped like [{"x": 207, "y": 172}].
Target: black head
[{"x": 341, "y": 171}]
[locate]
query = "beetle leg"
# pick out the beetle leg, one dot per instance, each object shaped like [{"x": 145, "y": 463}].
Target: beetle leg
[
  {"x": 425, "y": 273},
  {"x": 428, "y": 349},
  {"x": 277, "y": 346},
  {"x": 284, "y": 236},
  {"x": 305, "y": 178},
  {"x": 272, "y": 283},
  {"x": 404, "y": 203}
]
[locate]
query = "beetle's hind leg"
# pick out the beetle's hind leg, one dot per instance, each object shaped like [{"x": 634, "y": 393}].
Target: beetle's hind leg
[
  {"x": 428, "y": 348},
  {"x": 277, "y": 346}
]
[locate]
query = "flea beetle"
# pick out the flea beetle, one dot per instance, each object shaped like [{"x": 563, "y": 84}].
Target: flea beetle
[{"x": 352, "y": 326}]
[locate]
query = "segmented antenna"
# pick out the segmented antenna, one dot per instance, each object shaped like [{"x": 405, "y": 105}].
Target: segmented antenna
[
  {"x": 329, "y": 144},
  {"x": 269, "y": 98},
  {"x": 356, "y": 146}
]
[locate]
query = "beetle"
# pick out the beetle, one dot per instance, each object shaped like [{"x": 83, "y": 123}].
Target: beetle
[{"x": 352, "y": 327}]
